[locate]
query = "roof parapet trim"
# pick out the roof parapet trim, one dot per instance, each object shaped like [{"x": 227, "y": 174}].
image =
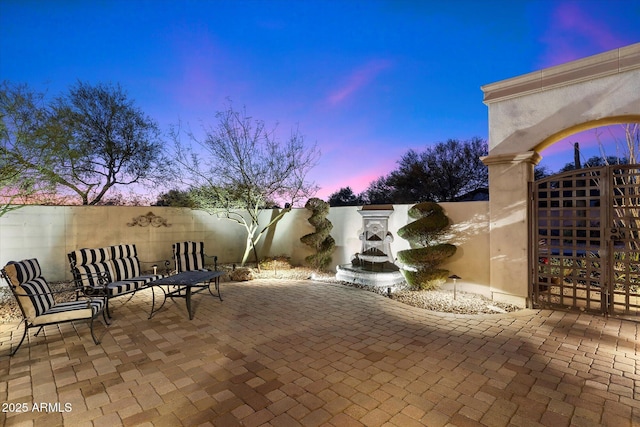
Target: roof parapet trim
[{"x": 604, "y": 64}]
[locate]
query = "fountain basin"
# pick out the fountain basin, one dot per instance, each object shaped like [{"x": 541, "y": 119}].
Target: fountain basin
[
  {"x": 386, "y": 278},
  {"x": 373, "y": 258}
]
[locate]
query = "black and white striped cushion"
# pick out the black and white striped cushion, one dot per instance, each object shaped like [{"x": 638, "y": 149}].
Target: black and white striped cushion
[
  {"x": 91, "y": 256},
  {"x": 96, "y": 306},
  {"x": 92, "y": 264},
  {"x": 91, "y": 274},
  {"x": 125, "y": 268},
  {"x": 27, "y": 270},
  {"x": 123, "y": 251},
  {"x": 125, "y": 286},
  {"x": 40, "y": 294},
  {"x": 189, "y": 256}
]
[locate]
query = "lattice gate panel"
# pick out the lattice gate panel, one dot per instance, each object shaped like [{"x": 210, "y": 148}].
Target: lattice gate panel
[
  {"x": 624, "y": 236},
  {"x": 567, "y": 261},
  {"x": 587, "y": 227}
]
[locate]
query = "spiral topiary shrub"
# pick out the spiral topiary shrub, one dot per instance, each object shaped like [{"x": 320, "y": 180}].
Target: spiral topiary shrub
[
  {"x": 321, "y": 241},
  {"x": 420, "y": 263}
]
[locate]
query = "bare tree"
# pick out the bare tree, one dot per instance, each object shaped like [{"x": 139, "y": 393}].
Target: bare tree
[
  {"x": 627, "y": 150},
  {"x": 627, "y": 200},
  {"x": 455, "y": 168},
  {"x": 241, "y": 168}
]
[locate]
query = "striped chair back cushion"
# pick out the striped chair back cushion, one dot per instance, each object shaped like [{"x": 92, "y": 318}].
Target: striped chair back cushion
[
  {"x": 123, "y": 251},
  {"x": 188, "y": 256},
  {"x": 90, "y": 264},
  {"x": 31, "y": 289},
  {"x": 125, "y": 262},
  {"x": 125, "y": 268},
  {"x": 39, "y": 295},
  {"x": 96, "y": 274},
  {"x": 23, "y": 271},
  {"x": 91, "y": 256}
]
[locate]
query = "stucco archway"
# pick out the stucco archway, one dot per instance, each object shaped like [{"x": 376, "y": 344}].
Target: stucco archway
[{"x": 527, "y": 114}]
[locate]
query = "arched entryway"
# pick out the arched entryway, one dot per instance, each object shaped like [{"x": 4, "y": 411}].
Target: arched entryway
[{"x": 527, "y": 114}]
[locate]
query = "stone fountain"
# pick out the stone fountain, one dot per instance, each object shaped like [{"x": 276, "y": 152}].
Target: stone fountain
[{"x": 374, "y": 264}]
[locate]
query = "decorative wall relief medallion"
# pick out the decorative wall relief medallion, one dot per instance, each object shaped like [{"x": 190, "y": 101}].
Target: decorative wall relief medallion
[{"x": 149, "y": 219}]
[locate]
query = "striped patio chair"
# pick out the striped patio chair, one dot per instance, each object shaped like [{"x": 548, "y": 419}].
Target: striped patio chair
[
  {"x": 190, "y": 256},
  {"x": 37, "y": 304}
]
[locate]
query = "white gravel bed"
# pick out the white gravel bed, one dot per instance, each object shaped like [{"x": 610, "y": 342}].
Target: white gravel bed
[{"x": 443, "y": 301}]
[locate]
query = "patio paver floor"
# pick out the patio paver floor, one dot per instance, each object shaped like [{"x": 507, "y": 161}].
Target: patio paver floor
[{"x": 302, "y": 353}]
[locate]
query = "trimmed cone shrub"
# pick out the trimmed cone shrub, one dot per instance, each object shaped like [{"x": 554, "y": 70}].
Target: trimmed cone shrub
[
  {"x": 321, "y": 241},
  {"x": 429, "y": 257},
  {"x": 420, "y": 264},
  {"x": 425, "y": 279}
]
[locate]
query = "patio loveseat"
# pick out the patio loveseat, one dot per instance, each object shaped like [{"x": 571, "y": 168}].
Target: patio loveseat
[{"x": 111, "y": 272}]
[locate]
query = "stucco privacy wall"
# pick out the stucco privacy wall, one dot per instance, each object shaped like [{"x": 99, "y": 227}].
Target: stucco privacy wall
[
  {"x": 50, "y": 232},
  {"x": 527, "y": 114}
]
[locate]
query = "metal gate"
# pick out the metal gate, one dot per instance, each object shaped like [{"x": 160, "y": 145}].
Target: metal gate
[{"x": 586, "y": 228}]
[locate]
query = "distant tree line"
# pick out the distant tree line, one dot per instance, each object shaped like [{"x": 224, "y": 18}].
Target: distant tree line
[
  {"x": 452, "y": 171},
  {"x": 446, "y": 171},
  {"x": 541, "y": 172}
]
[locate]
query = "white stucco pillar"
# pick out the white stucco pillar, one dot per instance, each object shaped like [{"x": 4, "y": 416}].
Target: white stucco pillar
[{"x": 509, "y": 175}]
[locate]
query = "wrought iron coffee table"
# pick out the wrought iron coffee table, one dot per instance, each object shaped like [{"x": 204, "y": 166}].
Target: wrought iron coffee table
[{"x": 185, "y": 284}]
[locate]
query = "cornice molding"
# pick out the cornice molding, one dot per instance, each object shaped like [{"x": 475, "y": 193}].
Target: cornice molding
[{"x": 605, "y": 64}]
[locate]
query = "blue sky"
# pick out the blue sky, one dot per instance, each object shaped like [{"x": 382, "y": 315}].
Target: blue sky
[{"x": 365, "y": 80}]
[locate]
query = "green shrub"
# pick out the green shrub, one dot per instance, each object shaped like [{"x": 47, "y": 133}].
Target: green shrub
[
  {"x": 275, "y": 263},
  {"x": 321, "y": 241},
  {"x": 428, "y": 257},
  {"x": 425, "y": 280},
  {"x": 430, "y": 222},
  {"x": 426, "y": 254}
]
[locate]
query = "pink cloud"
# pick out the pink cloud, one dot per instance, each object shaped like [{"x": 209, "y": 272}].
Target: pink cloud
[
  {"x": 571, "y": 17},
  {"x": 196, "y": 86},
  {"x": 200, "y": 61},
  {"x": 574, "y": 33},
  {"x": 358, "y": 79}
]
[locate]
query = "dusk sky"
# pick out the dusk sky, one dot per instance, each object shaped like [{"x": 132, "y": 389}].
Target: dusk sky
[{"x": 365, "y": 80}]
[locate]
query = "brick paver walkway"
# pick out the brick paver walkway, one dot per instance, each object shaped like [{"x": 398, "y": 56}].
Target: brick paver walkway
[{"x": 303, "y": 353}]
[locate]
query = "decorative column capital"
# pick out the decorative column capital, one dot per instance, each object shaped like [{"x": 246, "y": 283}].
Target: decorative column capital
[{"x": 532, "y": 157}]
